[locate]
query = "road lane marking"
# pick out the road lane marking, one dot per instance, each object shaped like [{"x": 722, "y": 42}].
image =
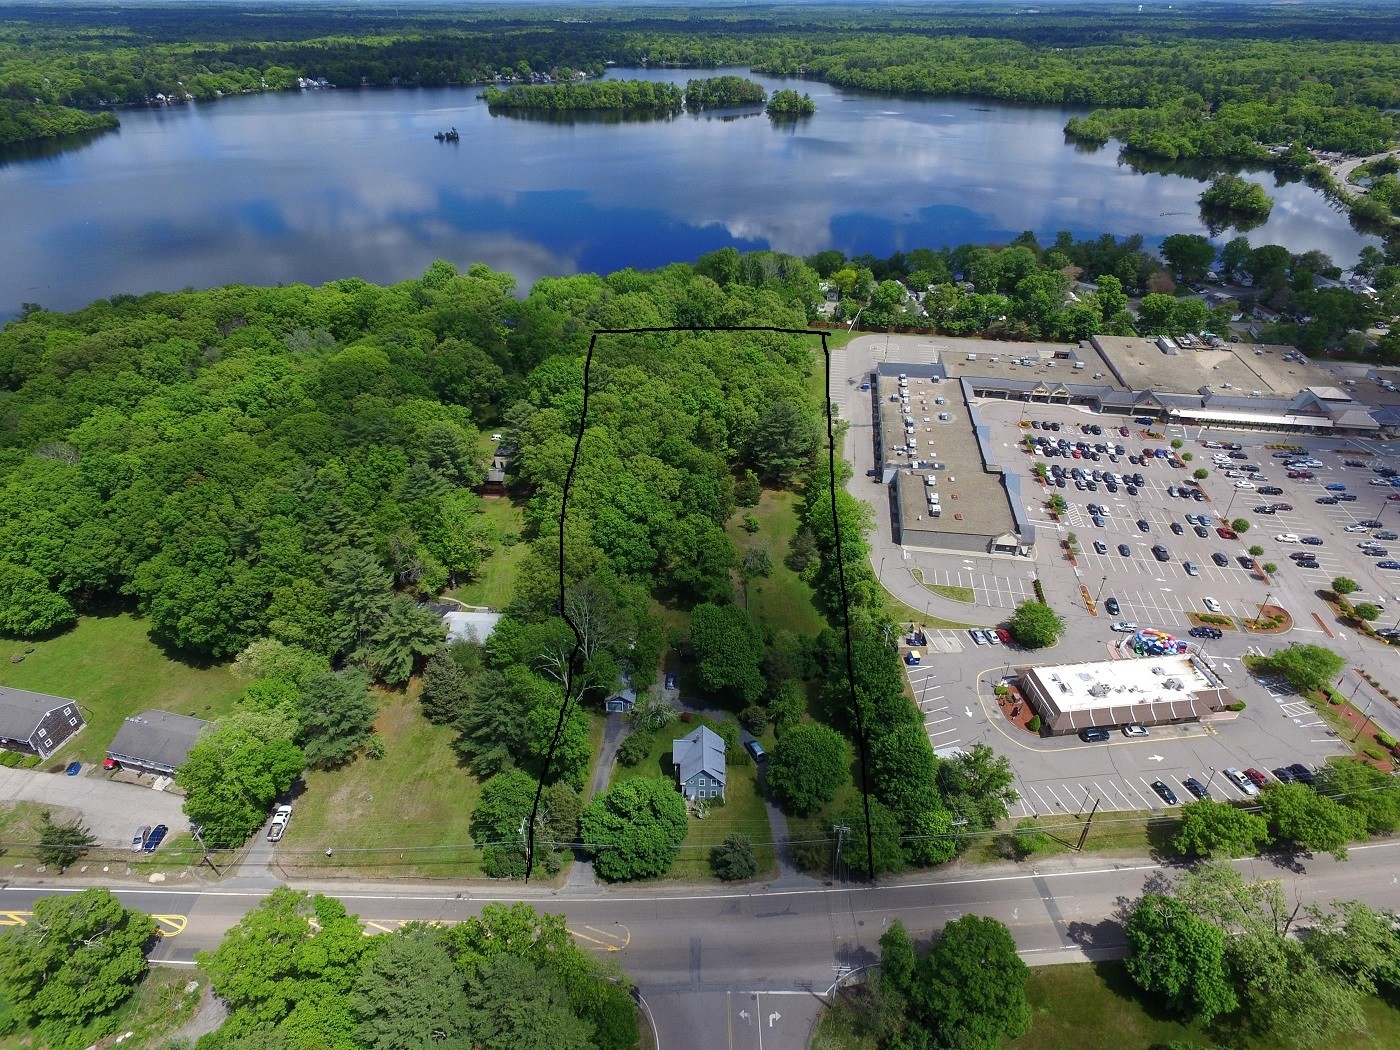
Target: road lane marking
[
  {"x": 170, "y": 925},
  {"x": 606, "y": 941}
]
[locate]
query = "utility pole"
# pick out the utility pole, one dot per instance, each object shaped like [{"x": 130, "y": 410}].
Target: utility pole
[
  {"x": 1087, "y": 825},
  {"x": 1366, "y": 719},
  {"x": 841, "y": 832},
  {"x": 195, "y": 830},
  {"x": 525, "y": 841}
]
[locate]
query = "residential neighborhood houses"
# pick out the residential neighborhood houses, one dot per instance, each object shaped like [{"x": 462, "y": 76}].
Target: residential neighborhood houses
[{"x": 699, "y": 763}]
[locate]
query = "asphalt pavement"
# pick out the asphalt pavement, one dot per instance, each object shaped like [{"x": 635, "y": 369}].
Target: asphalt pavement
[{"x": 728, "y": 968}]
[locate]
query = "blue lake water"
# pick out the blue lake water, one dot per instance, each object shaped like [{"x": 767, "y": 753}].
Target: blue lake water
[{"x": 323, "y": 184}]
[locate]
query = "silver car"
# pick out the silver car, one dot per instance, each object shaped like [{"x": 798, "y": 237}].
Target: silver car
[{"x": 139, "y": 839}]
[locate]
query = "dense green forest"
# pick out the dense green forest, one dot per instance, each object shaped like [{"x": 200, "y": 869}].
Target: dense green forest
[
  {"x": 723, "y": 92},
  {"x": 644, "y": 95}
]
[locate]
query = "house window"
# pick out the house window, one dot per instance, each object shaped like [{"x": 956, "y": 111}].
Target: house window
[
  {"x": 72, "y": 721},
  {"x": 43, "y": 732},
  {"x": 700, "y": 781},
  {"x": 67, "y": 710}
]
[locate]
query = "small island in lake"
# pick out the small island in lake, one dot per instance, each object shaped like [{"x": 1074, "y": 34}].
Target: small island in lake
[
  {"x": 636, "y": 95},
  {"x": 727, "y": 92},
  {"x": 1232, "y": 195},
  {"x": 789, "y": 105},
  {"x": 452, "y": 135}
]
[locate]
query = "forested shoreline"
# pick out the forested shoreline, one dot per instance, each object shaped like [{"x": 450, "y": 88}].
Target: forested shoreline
[{"x": 1172, "y": 85}]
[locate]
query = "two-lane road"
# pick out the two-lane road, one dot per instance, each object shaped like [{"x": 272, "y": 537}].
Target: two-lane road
[{"x": 743, "y": 968}]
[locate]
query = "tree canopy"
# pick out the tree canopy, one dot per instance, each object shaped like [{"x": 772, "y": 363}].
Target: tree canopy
[
  {"x": 1035, "y": 625},
  {"x": 77, "y": 959},
  {"x": 807, "y": 767},
  {"x": 635, "y": 828}
]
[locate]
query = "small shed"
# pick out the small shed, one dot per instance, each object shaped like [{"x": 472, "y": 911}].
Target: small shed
[
  {"x": 35, "y": 723},
  {"x": 156, "y": 742},
  {"x": 699, "y": 762}
]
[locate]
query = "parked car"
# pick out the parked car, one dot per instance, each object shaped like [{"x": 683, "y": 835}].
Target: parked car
[
  {"x": 280, "y": 816},
  {"x": 1134, "y": 729},
  {"x": 1167, "y": 794},
  {"x": 1190, "y": 568},
  {"x": 755, "y": 750},
  {"x": 154, "y": 839},
  {"x": 1161, "y": 553},
  {"x": 977, "y": 636},
  {"x": 1125, "y": 627},
  {"x": 1241, "y": 781},
  {"x": 1124, "y": 550},
  {"x": 1245, "y": 485},
  {"x": 1284, "y": 775},
  {"x": 1312, "y": 541},
  {"x": 1286, "y": 537},
  {"x": 1301, "y": 773},
  {"x": 1335, "y": 487},
  {"x": 1257, "y": 778},
  {"x": 1196, "y": 787},
  {"x": 1245, "y": 561},
  {"x": 1326, "y": 501},
  {"x": 1211, "y": 604},
  {"x": 1111, "y": 607},
  {"x": 1389, "y": 563},
  {"x": 1176, "y": 528},
  {"x": 1100, "y": 547},
  {"x": 1004, "y": 635},
  {"x": 1283, "y": 506},
  {"x": 138, "y": 841},
  {"x": 1093, "y": 735},
  {"x": 1220, "y": 559},
  {"x": 1224, "y": 533}
]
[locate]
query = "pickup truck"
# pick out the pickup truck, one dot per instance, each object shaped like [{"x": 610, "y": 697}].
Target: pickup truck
[{"x": 280, "y": 816}]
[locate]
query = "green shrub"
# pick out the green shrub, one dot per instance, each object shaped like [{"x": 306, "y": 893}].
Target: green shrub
[
  {"x": 28, "y": 761},
  {"x": 1385, "y": 739},
  {"x": 635, "y": 748},
  {"x": 1238, "y": 705},
  {"x": 1034, "y": 724},
  {"x": 9, "y": 759},
  {"x": 1374, "y": 752}
]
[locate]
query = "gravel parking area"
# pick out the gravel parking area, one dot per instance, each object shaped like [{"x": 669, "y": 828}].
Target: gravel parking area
[{"x": 112, "y": 811}]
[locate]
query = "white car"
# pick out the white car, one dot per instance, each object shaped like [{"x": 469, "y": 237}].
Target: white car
[
  {"x": 978, "y": 636},
  {"x": 1125, "y": 627},
  {"x": 1211, "y": 604},
  {"x": 1241, "y": 781},
  {"x": 991, "y": 637},
  {"x": 1358, "y": 528},
  {"x": 1286, "y": 537},
  {"x": 1245, "y": 485},
  {"x": 279, "y": 823}
]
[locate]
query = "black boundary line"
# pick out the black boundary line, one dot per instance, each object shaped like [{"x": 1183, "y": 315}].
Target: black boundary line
[{"x": 574, "y": 656}]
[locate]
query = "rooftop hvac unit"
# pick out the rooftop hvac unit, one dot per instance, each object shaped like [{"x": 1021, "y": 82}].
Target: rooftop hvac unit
[
  {"x": 1172, "y": 683},
  {"x": 1098, "y": 689}
]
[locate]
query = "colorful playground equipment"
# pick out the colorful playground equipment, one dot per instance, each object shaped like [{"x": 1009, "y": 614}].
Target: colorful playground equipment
[{"x": 1149, "y": 641}]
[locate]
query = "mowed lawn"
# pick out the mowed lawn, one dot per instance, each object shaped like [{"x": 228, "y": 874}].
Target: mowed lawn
[
  {"x": 1095, "y": 1006},
  {"x": 406, "y": 814},
  {"x": 782, "y": 600},
  {"x": 112, "y": 668},
  {"x": 495, "y": 583},
  {"x": 743, "y": 810}
]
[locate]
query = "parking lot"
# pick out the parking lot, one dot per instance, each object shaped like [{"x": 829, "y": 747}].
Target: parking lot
[{"x": 989, "y": 589}]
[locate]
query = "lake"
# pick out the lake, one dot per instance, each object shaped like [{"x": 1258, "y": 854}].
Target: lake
[{"x": 317, "y": 185}]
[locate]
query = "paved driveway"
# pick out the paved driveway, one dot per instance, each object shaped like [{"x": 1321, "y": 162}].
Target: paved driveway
[{"x": 112, "y": 811}]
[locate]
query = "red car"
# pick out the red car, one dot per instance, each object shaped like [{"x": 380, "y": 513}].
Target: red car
[
  {"x": 1257, "y": 778},
  {"x": 1004, "y": 635},
  {"x": 1394, "y": 496},
  {"x": 1225, "y": 534}
]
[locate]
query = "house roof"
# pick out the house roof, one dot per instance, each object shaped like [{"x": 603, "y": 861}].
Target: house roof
[
  {"x": 21, "y": 711},
  {"x": 700, "y": 752},
  {"x": 471, "y": 626},
  {"x": 156, "y": 738}
]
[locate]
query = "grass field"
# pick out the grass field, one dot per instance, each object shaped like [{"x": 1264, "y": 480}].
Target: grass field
[
  {"x": 113, "y": 669},
  {"x": 897, "y": 611},
  {"x": 495, "y": 583},
  {"x": 743, "y": 810},
  {"x": 781, "y": 600},
  {"x": 406, "y": 814},
  {"x": 1095, "y": 1006}
]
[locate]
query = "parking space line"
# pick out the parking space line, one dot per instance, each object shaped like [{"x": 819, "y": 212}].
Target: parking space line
[{"x": 1045, "y": 807}]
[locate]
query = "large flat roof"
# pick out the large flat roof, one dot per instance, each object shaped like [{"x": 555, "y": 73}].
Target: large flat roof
[
  {"x": 1141, "y": 363},
  {"x": 973, "y": 500},
  {"x": 1120, "y": 683}
]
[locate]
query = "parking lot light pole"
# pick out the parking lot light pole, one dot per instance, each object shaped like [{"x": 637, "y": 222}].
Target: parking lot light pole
[
  {"x": 1101, "y": 587},
  {"x": 1209, "y": 779}
]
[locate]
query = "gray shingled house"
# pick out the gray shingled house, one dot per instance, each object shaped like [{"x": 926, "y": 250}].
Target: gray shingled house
[
  {"x": 36, "y": 723},
  {"x": 155, "y": 742},
  {"x": 699, "y": 762}
]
